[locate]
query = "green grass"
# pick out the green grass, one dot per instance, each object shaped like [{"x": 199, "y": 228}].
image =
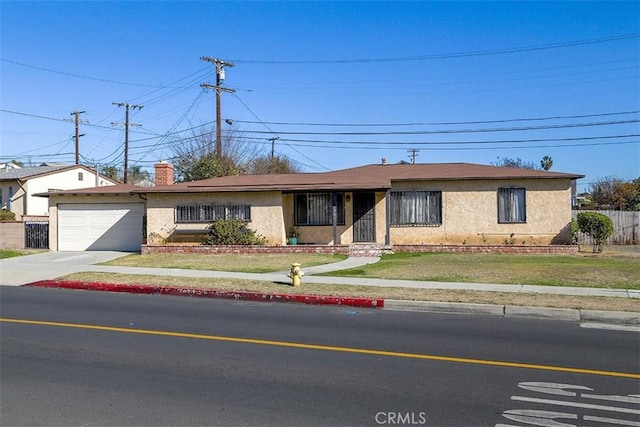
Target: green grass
[
  {"x": 245, "y": 263},
  {"x": 10, "y": 253},
  {"x": 604, "y": 271},
  {"x": 616, "y": 268}
]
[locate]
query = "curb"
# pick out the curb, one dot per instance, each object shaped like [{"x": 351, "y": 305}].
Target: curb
[
  {"x": 614, "y": 317},
  {"x": 574, "y": 315},
  {"x": 211, "y": 293}
]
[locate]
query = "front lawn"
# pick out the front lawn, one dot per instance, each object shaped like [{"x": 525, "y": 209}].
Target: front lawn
[
  {"x": 619, "y": 271},
  {"x": 245, "y": 263},
  {"x": 616, "y": 267},
  {"x": 10, "y": 253}
]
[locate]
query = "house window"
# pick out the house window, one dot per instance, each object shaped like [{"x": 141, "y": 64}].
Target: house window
[
  {"x": 512, "y": 205},
  {"x": 80, "y": 176},
  {"x": 317, "y": 208},
  {"x": 416, "y": 208},
  {"x": 209, "y": 213}
]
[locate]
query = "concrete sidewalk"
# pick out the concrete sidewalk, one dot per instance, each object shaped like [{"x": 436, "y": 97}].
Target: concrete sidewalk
[
  {"x": 46, "y": 266},
  {"x": 50, "y": 265}
]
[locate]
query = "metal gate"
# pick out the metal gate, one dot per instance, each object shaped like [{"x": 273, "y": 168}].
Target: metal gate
[
  {"x": 36, "y": 235},
  {"x": 364, "y": 218}
]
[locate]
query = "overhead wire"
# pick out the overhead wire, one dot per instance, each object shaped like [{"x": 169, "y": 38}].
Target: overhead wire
[
  {"x": 520, "y": 119},
  {"x": 274, "y": 133},
  {"x": 498, "y": 51}
]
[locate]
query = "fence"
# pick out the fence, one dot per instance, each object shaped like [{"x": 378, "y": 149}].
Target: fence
[
  {"x": 36, "y": 235},
  {"x": 626, "y": 225}
]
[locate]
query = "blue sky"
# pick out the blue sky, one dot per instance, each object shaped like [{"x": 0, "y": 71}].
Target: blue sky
[{"x": 453, "y": 80}]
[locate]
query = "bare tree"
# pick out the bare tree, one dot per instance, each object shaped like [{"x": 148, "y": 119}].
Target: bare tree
[
  {"x": 195, "y": 158},
  {"x": 271, "y": 165},
  {"x": 513, "y": 163},
  {"x": 616, "y": 193}
]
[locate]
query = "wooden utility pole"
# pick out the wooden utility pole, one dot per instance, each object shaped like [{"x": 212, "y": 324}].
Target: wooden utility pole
[
  {"x": 273, "y": 145},
  {"x": 220, "y": 76},
  {"x": 78, "y": 135},
  {"x": 126, "y": 123},
  {"x": 414, "y": 154}
]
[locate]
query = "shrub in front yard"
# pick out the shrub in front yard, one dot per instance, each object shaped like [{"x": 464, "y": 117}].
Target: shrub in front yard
[
  {"x": 7, "y": 215},
  {"x": 596, "y": 225},
  {"x": 232, "y": 232}
]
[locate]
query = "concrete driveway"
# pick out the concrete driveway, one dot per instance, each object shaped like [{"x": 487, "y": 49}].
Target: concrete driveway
[{"x": 21, "y": 270}]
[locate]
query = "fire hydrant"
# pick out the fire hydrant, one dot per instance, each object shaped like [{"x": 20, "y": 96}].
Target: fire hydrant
[{"x": 296, "y": 274}]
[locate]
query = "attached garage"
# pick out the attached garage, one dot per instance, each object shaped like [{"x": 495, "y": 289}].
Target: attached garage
[{"x": 100, "y": 227}]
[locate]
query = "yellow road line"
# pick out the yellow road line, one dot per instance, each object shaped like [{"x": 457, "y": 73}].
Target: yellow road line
[{"x": 329, "y": 348}]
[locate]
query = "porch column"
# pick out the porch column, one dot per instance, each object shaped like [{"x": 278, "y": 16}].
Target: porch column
[
  {"x": 334, "y": 215},
  {"x": 387, "y": 209}
]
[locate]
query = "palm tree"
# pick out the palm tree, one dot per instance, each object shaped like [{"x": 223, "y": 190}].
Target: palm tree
[{"x": 137, "y": 176}]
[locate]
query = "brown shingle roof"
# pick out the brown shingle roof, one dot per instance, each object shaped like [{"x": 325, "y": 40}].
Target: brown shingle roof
[
  {"x": 107, "y": 189},
  {"x": 369, "y": 177}
]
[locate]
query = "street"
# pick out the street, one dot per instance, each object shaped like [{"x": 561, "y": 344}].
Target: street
[{"x": 94, "y": 358}]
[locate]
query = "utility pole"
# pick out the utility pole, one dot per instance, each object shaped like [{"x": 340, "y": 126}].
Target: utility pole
[
  {"x": 414, "y": 154},
  {"x": 273, "y": 145},
  {"x": 76, "y": 120},
  {"x": 126, "y": 123},
  {"x": 220, "y": 76}
]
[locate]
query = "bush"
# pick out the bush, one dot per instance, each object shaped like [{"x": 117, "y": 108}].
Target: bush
[
  {"x": 596, "y": 225},
  {"x": 575, "y": 231},
  {"x": 7, "y": 215},
  {"x": 232, "y": 232}
]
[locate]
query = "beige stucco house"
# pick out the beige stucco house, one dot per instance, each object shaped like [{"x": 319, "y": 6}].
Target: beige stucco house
[{"x": 448, "y": 203}]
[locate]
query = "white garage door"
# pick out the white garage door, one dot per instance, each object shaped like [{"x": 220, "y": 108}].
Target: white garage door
[{"x": 100, "y": 227}]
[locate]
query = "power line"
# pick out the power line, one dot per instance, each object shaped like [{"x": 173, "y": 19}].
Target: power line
[
  {"x": 274, "y": 133},
  {"x": 474, "y": 148},
  {"x": 449, "y": 55},
  {"x": 64, "y": 73},
  {"x": 454, "y": 131},
  {"x": 521, "y": 119},
  {"x": 499, "y": 141}
]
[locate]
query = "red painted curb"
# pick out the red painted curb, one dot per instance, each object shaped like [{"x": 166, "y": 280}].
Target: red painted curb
[{"x": 211, "y": 293}]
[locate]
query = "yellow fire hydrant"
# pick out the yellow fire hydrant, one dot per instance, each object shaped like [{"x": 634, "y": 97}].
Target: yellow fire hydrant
[{"x": 296, "y": 274}]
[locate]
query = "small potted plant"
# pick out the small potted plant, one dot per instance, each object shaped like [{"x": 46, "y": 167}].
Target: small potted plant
[{"x": 293, "y": 235}]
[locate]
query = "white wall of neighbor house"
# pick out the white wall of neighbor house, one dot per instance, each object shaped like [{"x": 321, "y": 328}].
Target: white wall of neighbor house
[
  {"x": 266, "y": 213},
  {"x": 470, "y": 213},
  {"x": 66, "y": 180}
]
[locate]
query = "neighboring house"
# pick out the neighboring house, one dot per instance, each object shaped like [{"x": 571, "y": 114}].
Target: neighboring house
[
  {"x": 19, "y": 184},
  {"x": 449, "y": 203}
]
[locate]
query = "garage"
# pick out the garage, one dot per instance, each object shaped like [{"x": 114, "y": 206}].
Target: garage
[{"x": 100, "y": 227}]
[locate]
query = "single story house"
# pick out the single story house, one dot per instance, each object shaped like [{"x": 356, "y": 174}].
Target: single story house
[
  {"x": 19, "y": 184},
  {"x": 385, "y": 204}
]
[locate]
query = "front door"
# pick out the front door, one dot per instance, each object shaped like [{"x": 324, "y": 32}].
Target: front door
[{"x": 364, "y": 218}]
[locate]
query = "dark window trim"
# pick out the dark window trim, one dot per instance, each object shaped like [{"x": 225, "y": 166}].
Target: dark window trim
[
  {"x": 340, "y": 208},
  {"x": 207, "y": 213},
  {"x": 395, "y": 222},
  {"x": 524, "y": 206}
]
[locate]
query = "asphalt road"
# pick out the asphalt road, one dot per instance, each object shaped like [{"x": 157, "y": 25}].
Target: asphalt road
[{"x": 95, "y": 358}]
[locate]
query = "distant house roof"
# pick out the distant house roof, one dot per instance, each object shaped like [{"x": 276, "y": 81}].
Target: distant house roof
[
  {"x": 28, "y": 172},
  {"x": 370, "y": 177},
  {"x": 25, "y": 173}
]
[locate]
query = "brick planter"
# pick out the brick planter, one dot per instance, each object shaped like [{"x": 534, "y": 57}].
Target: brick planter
[{"x": 358, "y": 250}]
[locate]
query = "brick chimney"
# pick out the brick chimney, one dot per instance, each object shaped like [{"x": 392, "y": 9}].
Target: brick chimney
[{"x": 164, "y": 173}]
